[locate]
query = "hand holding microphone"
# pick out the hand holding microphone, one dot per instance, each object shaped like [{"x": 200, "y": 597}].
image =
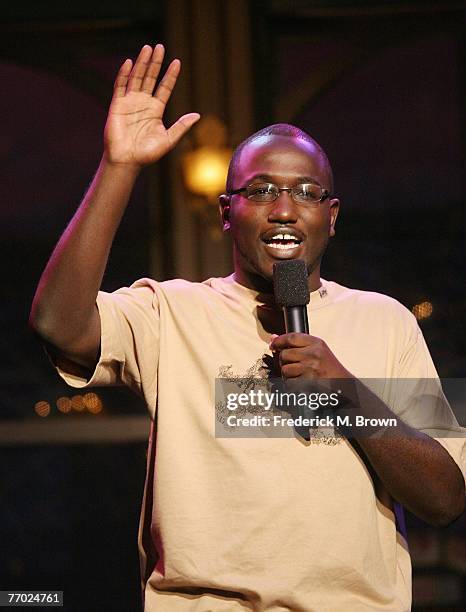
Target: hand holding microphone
[{"x": 302, "y": 357}]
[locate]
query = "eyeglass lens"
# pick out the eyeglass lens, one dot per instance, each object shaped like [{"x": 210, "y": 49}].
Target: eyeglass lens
[{"x": 268, "y": 192}]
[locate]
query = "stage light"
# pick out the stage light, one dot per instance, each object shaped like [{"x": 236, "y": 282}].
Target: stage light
[{"x": 205, "y": 169}]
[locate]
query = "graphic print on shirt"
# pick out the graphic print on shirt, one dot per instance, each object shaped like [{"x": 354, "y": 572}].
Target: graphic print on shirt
[{"x": 264, "y": 375}]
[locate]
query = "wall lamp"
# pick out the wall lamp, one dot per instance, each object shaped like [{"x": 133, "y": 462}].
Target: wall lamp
[{"x": 205, "y": 169}]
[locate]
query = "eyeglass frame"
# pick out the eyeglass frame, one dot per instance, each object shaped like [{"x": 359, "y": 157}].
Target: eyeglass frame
[{"x": 325, "y": 193}]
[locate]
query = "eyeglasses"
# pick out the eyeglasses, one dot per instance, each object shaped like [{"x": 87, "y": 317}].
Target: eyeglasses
[{"x": 309, "y": 194}]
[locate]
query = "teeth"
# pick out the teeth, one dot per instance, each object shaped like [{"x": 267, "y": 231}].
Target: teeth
[
  {"x": 284, "y": 237},
  {"x": 283, "y": 247},
  {"x": 282, "y": 241}
]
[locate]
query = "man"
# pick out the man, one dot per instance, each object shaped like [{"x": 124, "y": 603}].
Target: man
[{"x": 247, "y": 523}]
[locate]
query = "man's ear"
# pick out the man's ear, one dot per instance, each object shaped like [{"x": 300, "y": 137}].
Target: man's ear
[
  {"x": 334, "y": 209},
  {"x": 224, "y": 206}
]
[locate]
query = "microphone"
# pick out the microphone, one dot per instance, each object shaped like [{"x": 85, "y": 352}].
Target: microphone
[
  {"x": 292, "y": 294},
  {"x": 291, "y": 291}
]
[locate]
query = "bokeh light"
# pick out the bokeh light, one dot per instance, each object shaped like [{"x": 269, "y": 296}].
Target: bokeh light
[
  {"x": 77, "y": 403},
  {"x": 64, "y": 405},
  {"x": 42, "y": 408},
  {"x": 423, "y": 310},
  {"x": 93, "y": 403}
]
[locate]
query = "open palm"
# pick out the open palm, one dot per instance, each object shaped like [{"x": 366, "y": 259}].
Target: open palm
[{"x": 134, "y": 132}]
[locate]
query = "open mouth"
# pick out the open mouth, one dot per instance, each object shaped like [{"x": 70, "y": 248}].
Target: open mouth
[{"x": 283, "y": 242}]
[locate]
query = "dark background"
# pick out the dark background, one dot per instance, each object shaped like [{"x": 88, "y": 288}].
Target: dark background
[{"x": 379, "y": 85}]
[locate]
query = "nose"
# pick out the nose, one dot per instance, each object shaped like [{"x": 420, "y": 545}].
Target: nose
[{"x": 283, "y": 209}]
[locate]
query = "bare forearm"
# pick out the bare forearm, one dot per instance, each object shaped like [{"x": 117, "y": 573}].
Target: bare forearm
[
  {"x": 415, "y": 469},
  {"x": 64, "y": 311},
  {"x": 64, "y": 303},
  {"x": 420, "y": 474}
]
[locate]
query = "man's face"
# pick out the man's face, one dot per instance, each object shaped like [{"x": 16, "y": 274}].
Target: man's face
[{"x": 265, "y": 233}]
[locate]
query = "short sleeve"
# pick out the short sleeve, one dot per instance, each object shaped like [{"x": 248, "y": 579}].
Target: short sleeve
[
  {"x": 129, "y": 350},
  {"x": 421, "y": 403}
]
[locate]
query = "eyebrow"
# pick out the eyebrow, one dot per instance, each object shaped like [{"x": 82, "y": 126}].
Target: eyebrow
[{"x": 270, "y": 179}]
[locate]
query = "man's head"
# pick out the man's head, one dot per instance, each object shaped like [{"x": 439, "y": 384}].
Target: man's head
[{"x": 264, "y": 231}]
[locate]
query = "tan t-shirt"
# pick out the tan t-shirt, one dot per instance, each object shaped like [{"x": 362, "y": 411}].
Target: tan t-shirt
[{"x": 264, "y": 524}]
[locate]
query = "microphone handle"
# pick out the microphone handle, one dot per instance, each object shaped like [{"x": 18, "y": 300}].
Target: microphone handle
[{"x": 296, "y": 319}]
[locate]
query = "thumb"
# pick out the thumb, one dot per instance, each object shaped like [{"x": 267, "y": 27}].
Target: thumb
[
  {"x": 272, "y": 338},
  {"x": 179, "y": 129}
]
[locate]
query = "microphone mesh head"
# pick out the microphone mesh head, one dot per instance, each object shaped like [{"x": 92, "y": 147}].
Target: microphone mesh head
[{"x": 290, "y": 283}]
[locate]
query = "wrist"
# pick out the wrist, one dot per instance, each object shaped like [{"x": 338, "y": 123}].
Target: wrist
[{"x": 130, "y": 170}]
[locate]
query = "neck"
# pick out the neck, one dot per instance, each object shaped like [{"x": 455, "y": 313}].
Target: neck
[{"x": 254, "y": 281}]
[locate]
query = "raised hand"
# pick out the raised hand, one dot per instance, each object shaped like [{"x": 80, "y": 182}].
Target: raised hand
[{"x": 134, "y": 133}]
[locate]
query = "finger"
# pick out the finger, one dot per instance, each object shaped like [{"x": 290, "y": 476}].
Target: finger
[
  {"x": 121, "y": 81},
  {"x": 272, "y": 338},
  {"x": 293, "y": 339},
  {"x": 294, "y": 355},
  {"x": 139, "y": 69},
  {"x": 179, "y": 129},
  {"x": 166, "y": 85},
  {"x": 153, "y": 69},
  {"x": 292, "y": 370}
]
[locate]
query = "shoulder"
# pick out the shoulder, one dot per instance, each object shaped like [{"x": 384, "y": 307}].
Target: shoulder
[
  {"x": 150, "y": 288},
  {"x": 210, "y": 290},
  {"x": 179, "y": 289},
  {"x": 156, "y": 294},
  {"x": 367, "y": 300},
  {"x": 147, "y": 293},
  {"x": 374, "y": 310}
]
